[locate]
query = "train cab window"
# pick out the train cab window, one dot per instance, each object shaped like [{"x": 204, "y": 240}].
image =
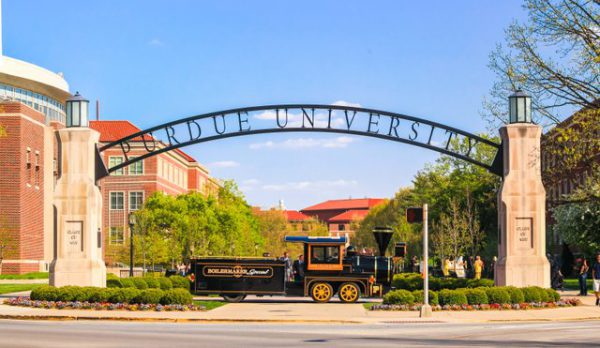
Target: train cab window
[{"x": 325, "y": 255}]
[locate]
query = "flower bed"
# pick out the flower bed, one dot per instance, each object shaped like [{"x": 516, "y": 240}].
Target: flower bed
[
  {"x": 569, "y": 302},
  {"x": 27, "y": 302}
]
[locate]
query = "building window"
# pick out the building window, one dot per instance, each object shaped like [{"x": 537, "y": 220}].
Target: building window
[
  {"x": 136, "y": 168},
  {"x": 116, "y": 200},
  {"x": 136, "y": 200},
  {"x": 114, "y": 161},
  {"x": 116, "y": 235},
  {"x": 341, "y": 227}
]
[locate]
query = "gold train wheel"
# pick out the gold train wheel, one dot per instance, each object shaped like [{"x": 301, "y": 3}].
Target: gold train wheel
[
  {"x": 349, "y": 292},
  {"x": 321, "y": 292}
]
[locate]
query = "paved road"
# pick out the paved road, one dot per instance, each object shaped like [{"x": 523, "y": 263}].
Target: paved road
[{"x": 124, "y": 334}]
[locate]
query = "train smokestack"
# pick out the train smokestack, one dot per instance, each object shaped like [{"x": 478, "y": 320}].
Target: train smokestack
[{"x": 382, "y": 235}]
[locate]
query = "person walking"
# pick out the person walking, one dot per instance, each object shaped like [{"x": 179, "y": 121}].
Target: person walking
[
  {"x": 596, "y": 279},
  {"x": 582, "y": 276},
  {"x": 478, "y": 267},
  {"x": 446, "y": 268}
]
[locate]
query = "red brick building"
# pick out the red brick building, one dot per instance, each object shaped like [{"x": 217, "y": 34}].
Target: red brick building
[
  {"x": 340, "y": 213},
  {"x": 124, "y": 191}
]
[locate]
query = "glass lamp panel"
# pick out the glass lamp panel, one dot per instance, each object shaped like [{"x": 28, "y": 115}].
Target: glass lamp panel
[
  {"x": 528, "y": 109},
  {"x": 76, "y": 115},
  {"x": 84, "y": 114},
  {"x": 513, "y": 109},
  {"x": 69, "y": 114}
]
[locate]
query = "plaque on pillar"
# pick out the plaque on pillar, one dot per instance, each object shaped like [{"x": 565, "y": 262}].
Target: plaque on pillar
[
  {"x": 74, "y": 240},
  {"x": 524, "y": 233}
]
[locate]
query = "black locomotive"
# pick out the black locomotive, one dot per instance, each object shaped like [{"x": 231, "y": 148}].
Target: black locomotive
[{"x": 330, "y": 268}]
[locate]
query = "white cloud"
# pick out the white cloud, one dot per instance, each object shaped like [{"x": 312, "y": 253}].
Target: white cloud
[
  {"x": 345, "y": 103},
  {"x": 304, "y": 143},
  {"x": 224, "y": 164},
  {"x": 309, "y": 185},
  {"x": 156, "y": 42},
  {"x": 250, "y": 182}
]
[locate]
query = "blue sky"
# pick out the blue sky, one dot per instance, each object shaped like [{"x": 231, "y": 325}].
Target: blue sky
[{"x": 152, "y": 61}]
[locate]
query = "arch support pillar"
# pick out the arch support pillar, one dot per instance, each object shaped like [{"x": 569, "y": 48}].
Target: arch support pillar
[
  {"x": 78, "y": 201},
  {"x": 522, "y": 257}
]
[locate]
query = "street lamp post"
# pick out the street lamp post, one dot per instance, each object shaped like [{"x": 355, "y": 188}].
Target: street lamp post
[
  {"x": 519, "y": 107},
  {"x": 131, "y": 225}
]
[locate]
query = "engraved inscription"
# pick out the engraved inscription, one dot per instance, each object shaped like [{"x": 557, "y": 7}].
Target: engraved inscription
[
  {"x": 524, "y": 232},
  {"x": 73, "y": 237}
]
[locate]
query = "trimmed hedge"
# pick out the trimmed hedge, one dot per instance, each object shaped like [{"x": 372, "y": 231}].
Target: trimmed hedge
[
  {"x": 399, "y": 297},
  {"x": 531, "y": 294},
  {"x": 516, "y": 294},
  {"x": 111, "y": 295},
  {"x": 176, "y": 296},
  {"x": 139, "y": 283},
  {"x": 498, "y": 295},
  {"x": 476, "y": 296},
  {"x": 152, "y": 283},
  {"x": 165, "y": 283},
  {"x": 544, "y": 295},
  {"x": 113, "y": 283},
  {"x": 433, "y": 297},
  {"x": 44, "y": 293},
  {"x": 150, "y": 296},
  {"x": 452, "y": 297},
  {"x": 180, "y": 282},
  {"x": 414, "y": 281},
  {"x": 553, "y": 294},
  {"x": 127, "y": 283}
]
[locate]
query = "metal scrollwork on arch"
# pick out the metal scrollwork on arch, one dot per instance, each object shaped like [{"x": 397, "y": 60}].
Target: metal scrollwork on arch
[{"x": 305, "y": 118}]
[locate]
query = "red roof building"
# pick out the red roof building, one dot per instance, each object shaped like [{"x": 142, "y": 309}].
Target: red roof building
[
  {"x": 125, "y": 190},
  {"x": 340, "y": 213}
]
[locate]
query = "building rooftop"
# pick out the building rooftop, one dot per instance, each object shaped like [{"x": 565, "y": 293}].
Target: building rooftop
[
  {"x": 114, "y": 130},
  {"x": 345, "y": 204},
  {"x": 350, "y": 215},
  {"x": 294, "y": 215}
]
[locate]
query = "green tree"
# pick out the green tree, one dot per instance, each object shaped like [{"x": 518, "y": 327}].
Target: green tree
[{"x": 554, "y": 55}]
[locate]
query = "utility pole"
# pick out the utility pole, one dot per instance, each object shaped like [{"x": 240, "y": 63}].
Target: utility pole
[{"x": 426, "y": 308}]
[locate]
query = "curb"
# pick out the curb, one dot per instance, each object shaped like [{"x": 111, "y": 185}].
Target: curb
[{"x": 170, "y": 320}]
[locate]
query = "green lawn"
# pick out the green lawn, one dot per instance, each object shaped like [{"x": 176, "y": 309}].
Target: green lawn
[
  {"x": 210, "y": 304},
  {"x": 573, "y": 284},
  {"x": 8, "y": 288},
  {"x": 32, "y": 275}
]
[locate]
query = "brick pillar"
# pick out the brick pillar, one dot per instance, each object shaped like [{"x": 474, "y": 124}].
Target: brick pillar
[
  {"x": 78, "y": 249},
  {"x": 522, "y": 210}
]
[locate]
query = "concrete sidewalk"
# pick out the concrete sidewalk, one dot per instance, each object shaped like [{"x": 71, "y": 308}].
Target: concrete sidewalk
[{"x": 285, "y": 310}]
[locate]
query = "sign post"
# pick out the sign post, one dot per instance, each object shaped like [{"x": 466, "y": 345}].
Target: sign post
[{"x": 426, "y": 308}]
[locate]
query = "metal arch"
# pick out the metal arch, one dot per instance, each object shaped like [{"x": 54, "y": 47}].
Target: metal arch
[{"x": 495, "y": 167}]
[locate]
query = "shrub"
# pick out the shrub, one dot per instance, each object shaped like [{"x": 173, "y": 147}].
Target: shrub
[
  {"x": 531, "y": 294},
  {"x": 165, "y": 283},
  {"x": 180, "y": 282},
  {"x": 152, "y": 283},
  {"x": 124, "y": 295},
  {"x": 44, "y": 293},
  {"x": 516, "y": 295},
  {"x": 101, "y": 295},
  {"x": 400, "y": 296},
  {"x": 433, "y": 297},
  {"x": 68, "y": 293},
  {"x": 553, "y": 294},
  {"x": 477, "y": 283},
  {"x": 497, "y": 295},
  {"x": 150, "y": 296},
  {"x": 476, "y": 296},
  {"x": 139, "y": 283},
  {"x": 176, "y": 296},
  {"x": 127, "y": 283},
  {"x": 113, "y": 283},
  {"x": 544, "y": 295},
  {"x": 452, "y": 297},
  {"x": 111, "y": 276}
]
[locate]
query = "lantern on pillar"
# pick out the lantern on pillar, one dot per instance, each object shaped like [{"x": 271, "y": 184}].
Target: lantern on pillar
[
  {"x": 519, "y": 107},
  {"x": 77, "y": 111}
]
